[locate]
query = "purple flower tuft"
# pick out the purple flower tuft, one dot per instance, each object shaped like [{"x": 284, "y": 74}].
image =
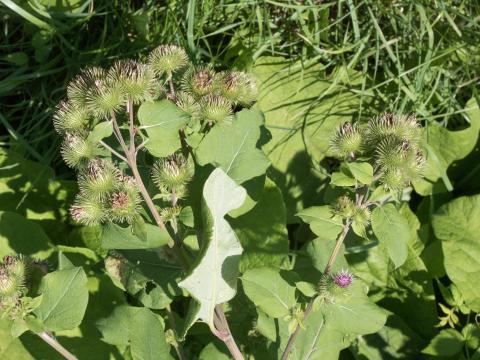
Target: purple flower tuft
[{"x": 342, "y": 278}]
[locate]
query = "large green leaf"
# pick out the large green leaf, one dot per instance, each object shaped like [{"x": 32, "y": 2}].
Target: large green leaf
[
  {"x": 233, "y": 147},
  {"x": 391, "y": 228},
  {"x": 162, "y": 120},
  {"x": 319, "y": 341},
  {"x": 322, "y": 221},
  {"x": 146, "y": 276},
  {"x": 262, "y": 231},
  {"x": 445, "y": 146},
  {"x": 328, "y": 330},
  {"x": 270, "y": 292},
  {"x": 448, "y": 342},
  {"x": 354, "y": 313},
  {"x": 407, "y": 290},
  {"x": 11, "y": 347},
  {"x": 456, "y": 225},
  {"x": 117, "y": 237},
  {"x": 64, "y": 300},
  {"x": 302, "y": 108},
  {"x": 138, "y": 329},
  {"x": 394, "y": 341},
  {"x": 213, "y": 279}
]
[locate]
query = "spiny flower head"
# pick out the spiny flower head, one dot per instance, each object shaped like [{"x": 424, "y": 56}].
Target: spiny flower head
[
  {"x": 70, "y": 118},
  {"x": 77, "y": 151},
  {"x": 347, "y": 140},
  {"x": 103, "y": 95},
  {"x": 238, "y": 87},
  {"x": 11, "y": 286},
  {"x": 393, "y": 154},
  {"x": 333, "y": 287},
  {"x": 393, "y": 179},
  {"x": 124, "y": 202},
  {"x": 187, "y": 103},
  {"x": 400, "y": 163},
  {"x": 136, "y": 81},
  {"x": 170, "y": 213},
  {"x": 362, "y": 215},
  {"x": 167, "y": 59},
  {"x": 16, "y": 265},
  {"x": 342, "y": 278},
  {"x": 344, "y": 207},
  {"x": 98, "y": 178},
  {"x": 81, "y": 85},
  {"x": 172, "y": 173},
  {"x": 199, "y": 82},
  {"x": 216, "y": 108},
  {"x": 123, "y": 206},
  {"x": 403, "y": 128},
  {"x": 88, "y": 211}
]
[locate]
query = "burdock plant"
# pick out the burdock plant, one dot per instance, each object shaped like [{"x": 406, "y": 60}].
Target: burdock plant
[
  {"x": 379, "y": 161},
  {"x": 105, "y": 132},
  {"x": 144, "y": 137}
]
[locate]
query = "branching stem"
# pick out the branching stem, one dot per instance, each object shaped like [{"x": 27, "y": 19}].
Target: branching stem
[
  {"x": 50, "y": 340},
  {"x": 114, "y": 152},
  {"x": 221, "y": 323},
  {"x": 326, "y": 272},
  {"x": 359, "y": 200}
]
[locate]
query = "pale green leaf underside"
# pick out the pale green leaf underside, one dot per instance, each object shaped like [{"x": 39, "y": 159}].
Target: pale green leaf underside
[{"x": 213, "y": 280}]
